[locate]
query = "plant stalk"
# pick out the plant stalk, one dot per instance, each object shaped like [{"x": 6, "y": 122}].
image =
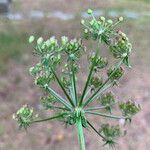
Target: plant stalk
[
  {"x": 59, "y": 98},
  {"x": 62, "y": 87},
  {"x": 89, "y": 76},
  {"x": 105, "y": 115},
  {"x": 47, "y": 119},
  {"x": 96, "y": 92},
  {"x": 80, "y": 133},
  {"x": 73, "y": 81}
]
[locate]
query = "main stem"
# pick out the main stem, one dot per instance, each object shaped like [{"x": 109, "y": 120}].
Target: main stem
[{"x": 80, "y": 133}]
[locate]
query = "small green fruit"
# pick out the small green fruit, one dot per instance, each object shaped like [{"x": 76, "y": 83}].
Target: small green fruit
[
  {"x": 120, "y": 19},
  {"x": 40, "y": 41},
  {"x": 110, "y": 21},
  {"x": 31, "y": 39},
  {"x": 90, "y": 11},
  {"x": 82, "y": 21},
  {"x": 102, "y": 18}
]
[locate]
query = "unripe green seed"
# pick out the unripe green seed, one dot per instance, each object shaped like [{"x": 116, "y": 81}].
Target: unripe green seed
[
  {"x": 48, "y": 43},
  {"x": 123, "y": 34},
  {"x": 40, "y": 41},
  {"x": 102, "y": 18},
  {"x": 43, "y": 46},
  {"x": 82, "y": 21},
  {"x": 98, "y": 22},
  {"x": 64, "y": 40},
  {"x": 120, "y": 19},
  {"x": 110, "y": 21},
  {"x": 122, "y": 42},
  {"x": 124, "y": 54},
  {"x": 59, "y": 56},
  {"x": 90, "y": 11},
  {"x": 72, "y": 56},
  {"x": 53, "y": 40},
  {"x": 92, "y": 22},
  {"x": 86, "y": 31},
  {"x": 31, "y": 39}
]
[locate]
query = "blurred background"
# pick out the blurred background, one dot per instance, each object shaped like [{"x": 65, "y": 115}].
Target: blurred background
[{"x": 21, "y": 18}]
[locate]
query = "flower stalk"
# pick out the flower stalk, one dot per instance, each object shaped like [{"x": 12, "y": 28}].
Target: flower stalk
[{"x": 80, "y": 133}]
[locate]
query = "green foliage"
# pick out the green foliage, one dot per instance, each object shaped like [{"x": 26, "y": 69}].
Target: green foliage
[{"x": 59, "y": 62}]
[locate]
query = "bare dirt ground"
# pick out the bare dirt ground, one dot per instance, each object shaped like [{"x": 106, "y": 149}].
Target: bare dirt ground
[{"x": 16, "y": 86}]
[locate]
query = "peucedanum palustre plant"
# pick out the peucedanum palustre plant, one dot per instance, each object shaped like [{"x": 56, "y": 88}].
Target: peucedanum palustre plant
[{"x": 73, "y": 107}]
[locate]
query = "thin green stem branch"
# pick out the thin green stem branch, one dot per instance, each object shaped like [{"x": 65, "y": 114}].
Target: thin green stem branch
[
  {"x": 86, "y": 85},
  {"x": 95, "y": 108},
  {"x": 108, "y": 79},
  {"x": 87, "y": 93},
  {"x": 105, "y": 115},
  {"x": 98, "y": 94},
  {"x": 47, "y": 119},
  {"x": 62, "y": 87},
  {"x": 89, "y": 76},
  {"x": 57, "y": 107},
  {"x": 73, "y": 81},
  {"x": 95, "y": 130},
  {"x": 80, "y": 133},
  {"x": 59, "y": 98},
  {"x": 98, "y": 107}
]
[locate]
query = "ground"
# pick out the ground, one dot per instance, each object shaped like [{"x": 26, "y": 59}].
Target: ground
[{"x": 17, "y": 88}]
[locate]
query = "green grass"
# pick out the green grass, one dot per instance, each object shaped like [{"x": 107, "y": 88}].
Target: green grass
[{"x": 12, "y": 46}]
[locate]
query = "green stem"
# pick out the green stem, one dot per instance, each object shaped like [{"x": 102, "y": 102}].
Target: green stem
[
  {"x": 62, "y": 87},
  {"x": 87, "y": 83},
  {"x": 58, "y": 97},
  {"x": 57, "y": 107},
  {"x": 98, "y": 94},
  {"x": 89, "y": 76},
  {"x": 105, "y": 115},
  {"x": 80, "y": 133},
  {"x": 47, "y": 119},
  {"x": 95, "y": 130},
  {"x": 108, "y": 79},
  {"x": 99, "y": 107},
  {"x": 87, "y": 93},
  {"x": 73, "y": 81}
]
